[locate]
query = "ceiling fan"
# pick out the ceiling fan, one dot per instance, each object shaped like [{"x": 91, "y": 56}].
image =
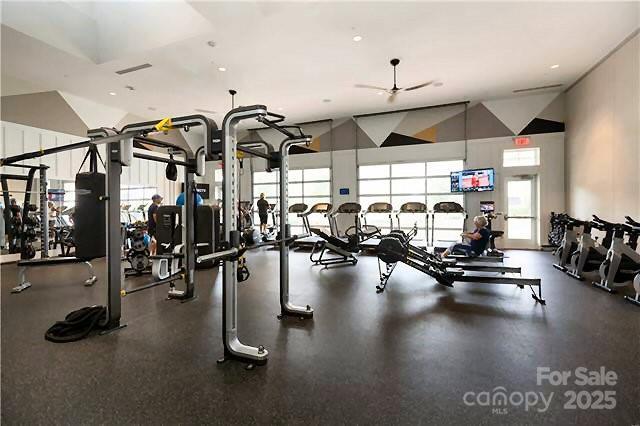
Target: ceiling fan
[{"x": 395, "y": 89}]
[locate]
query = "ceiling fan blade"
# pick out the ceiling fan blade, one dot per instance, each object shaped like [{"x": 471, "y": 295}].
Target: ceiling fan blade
[
  {"x": 419, "y": 86},
  {"x": 366, "y": 86}
]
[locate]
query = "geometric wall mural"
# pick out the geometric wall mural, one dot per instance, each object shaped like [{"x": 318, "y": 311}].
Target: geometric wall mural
[
  {"x": 521, "y": 115},
  {"x": 533, "y": 114}
]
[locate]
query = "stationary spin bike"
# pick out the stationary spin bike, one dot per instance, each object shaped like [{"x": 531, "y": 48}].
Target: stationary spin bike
[
  {"x": 586, "y": 260},
  {"x": 622, "y": 263},
  {"x": 569, "y": 242}
]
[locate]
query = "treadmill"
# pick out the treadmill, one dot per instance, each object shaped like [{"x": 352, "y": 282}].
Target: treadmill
[{"x": 311, "y": 240}]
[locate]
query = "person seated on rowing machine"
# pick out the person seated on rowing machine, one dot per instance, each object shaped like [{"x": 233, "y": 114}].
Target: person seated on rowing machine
[{"x": 478, "y": 239}]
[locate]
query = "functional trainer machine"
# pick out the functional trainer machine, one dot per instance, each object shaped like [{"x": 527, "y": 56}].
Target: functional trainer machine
[
  {"x": 231, "y": 249},
  {"x": 120, "y": 153}
]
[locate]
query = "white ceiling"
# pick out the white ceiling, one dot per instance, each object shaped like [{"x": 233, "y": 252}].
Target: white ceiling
[{"x": 295, "y": 55}]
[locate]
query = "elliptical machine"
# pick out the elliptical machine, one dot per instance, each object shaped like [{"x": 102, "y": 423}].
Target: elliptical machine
[
  {"x": 622, "y": 263},
  {"x": 586, "y": 260},
  {"x": 569, "y": 241}
]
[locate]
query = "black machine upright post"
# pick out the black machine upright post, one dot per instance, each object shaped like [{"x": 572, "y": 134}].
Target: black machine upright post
[
  {"x": 44, "y": 219},
  {"x": 190, "y": 241},
  {"x": 114, "y": 270}
]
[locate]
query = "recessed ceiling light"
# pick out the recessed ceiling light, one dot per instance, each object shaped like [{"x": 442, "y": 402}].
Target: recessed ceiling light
[
  {"x": 211, "y": 43},
  {"x": 357, "y": 38},
  {"x": 130, "y": 88},
  {"x": 553, "y": 67},
  {"x": 438, "y": 84},
  {"x": 152, "y": 108},
  {"x": 326, "y": 100},
  {"x": 280, "y": 109},
  {"x": 222, "y": 69},
  {"x": 380, "y": 93},
  {"x": 112, "y": 93}
]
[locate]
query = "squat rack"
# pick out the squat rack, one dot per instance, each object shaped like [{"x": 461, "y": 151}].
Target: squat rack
[{"x": 120, "y": 153}]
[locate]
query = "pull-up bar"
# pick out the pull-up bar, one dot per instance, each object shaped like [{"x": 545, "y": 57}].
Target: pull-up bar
[
  {"x": 161, "y": 160},
  {"x": 82, "y": 144}
]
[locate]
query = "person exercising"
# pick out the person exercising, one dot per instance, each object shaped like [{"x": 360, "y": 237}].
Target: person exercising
[
  {"x": 263, "y": 210},
  {"x": 478, "y": 239},
  {"x": 152, "y": 221}
]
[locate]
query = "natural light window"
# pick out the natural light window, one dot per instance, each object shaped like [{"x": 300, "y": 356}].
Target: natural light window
[
  {"x": 522, "y": 157},
  {"x": 399, "y": 183}
]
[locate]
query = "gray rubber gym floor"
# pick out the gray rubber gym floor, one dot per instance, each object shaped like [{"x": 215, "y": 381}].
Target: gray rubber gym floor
[{"x": 407, "y": 356}]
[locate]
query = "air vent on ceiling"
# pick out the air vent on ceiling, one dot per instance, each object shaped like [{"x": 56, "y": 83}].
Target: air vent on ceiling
[
  {"x": 205, "y": 111},
  {"x": 531, "y": 89},
  {"x": 132, "y": 69}
]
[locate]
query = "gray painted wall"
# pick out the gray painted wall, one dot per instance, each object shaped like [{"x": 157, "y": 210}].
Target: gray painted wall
[{"x": 603, "y": 138}]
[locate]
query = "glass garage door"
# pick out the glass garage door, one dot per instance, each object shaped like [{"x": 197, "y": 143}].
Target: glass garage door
[
  {"x": 308, "y": 186},
  {"x": 398, "y": 183}
]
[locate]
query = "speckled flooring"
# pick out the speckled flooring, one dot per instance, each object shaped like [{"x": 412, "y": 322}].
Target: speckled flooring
[{"x": 407, "y": 356}]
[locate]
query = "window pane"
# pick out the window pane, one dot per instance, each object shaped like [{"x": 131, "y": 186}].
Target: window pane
[
  {"x": 433, "y": 199},
  {"x": 408, "y": 219},
  {"x": 521, "y": 157},
  {"x": 294, "y": 220},
  {"x": 295, "y": 175},
  {"x": 519, "y": 229},
  {"x": 439, "y": 185},
  {"x": 217, "y": 175},
  {"x": 368, "y": 187},
  {"x": 269, "y": 190},
  {"x": 399, "y": 200},
  {"x": 317, "y": 188},
  {"x": 519, "y": 198},
  {"x": 447, "y": 236},
  {"x": 371, "y": 172},
  {"x": 408, "y": 186},
  {"x": 265, "y": 177},
  {"x": 136, "y": 193},
  {"x": 378, "y": 219},
  {"x": 295, "y": 189},
  {"x": 448, "y": 220},
  {"x": 443, "y": 168},
  {"x": 407, "y": 170},
  {"x": 149, "y": 192},
  {"x": 296, "y": 200},
  {"x": 365, "y": 202},
  {"x": 317, "y": 174},
  {"x": 310, "y": 201}
]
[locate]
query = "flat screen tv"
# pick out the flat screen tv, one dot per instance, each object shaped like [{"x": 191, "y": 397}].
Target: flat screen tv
[{"x": 476, "y": 180}]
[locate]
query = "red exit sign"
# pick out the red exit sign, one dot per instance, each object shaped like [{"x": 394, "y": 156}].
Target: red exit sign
[{"x": 521, "y": 141}]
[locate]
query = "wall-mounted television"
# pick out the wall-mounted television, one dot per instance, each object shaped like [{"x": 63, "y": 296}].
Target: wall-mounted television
[{"x": 475, "y": 180}]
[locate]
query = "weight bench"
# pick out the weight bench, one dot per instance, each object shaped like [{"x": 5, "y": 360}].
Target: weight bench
[{"x": 24, "y": 264}]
